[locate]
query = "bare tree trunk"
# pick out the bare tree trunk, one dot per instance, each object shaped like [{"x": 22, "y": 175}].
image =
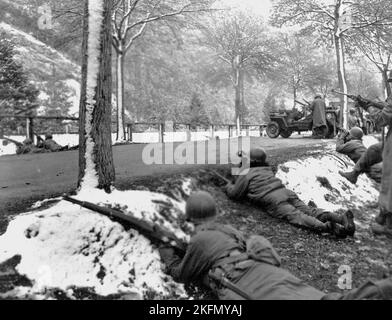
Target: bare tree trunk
[
  {"x": 385, "y": 84},
  {"x": 237, "y": 88},
  {"x": 96, "y": 168},
  {"x": 339, "y": 47},
  {"x": 120, "y": 135}
]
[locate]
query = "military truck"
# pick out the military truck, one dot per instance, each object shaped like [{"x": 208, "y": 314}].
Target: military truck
[{"x": 284, "y": 122}]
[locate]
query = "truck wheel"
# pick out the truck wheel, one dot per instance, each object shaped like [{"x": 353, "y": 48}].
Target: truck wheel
[
  {"x": 273, "y": 130},
  {"x": 286, "y": 133}
]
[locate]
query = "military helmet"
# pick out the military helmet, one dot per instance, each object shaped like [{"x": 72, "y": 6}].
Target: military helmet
[
  {"x": 257, "y": 155},
  {"x": 199, "y": 206},
  {"x": 318, "y": 96},
  {"x": 27, "y": 141},
  {"x": 356, "y": 133},
  {"x": 48, "y": 135}
]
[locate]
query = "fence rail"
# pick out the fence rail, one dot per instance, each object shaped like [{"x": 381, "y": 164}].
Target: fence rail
[{"x": 130, "y": 126}]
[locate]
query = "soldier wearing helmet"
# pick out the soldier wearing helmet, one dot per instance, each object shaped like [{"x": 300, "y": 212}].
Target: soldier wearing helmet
[
  {"x": 350, "y": 143},
  {"x": 267, "y": 191},
  {"x": 252, "y": 264},
  {"x": 366, "y": 160},
  {"x": 50, "y": 144}
]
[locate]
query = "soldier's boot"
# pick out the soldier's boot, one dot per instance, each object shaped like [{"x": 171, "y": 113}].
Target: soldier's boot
[
  {"x": 386, "y": 230},
  {"x": 381, "y": 219},
  {"x": 346, "y": 220},
  {"x": 350, "y": 176},
  {"x": 336, "y": 229}
]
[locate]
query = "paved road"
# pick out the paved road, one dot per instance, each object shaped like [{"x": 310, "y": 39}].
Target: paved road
[{"x": 36, "y": 176}]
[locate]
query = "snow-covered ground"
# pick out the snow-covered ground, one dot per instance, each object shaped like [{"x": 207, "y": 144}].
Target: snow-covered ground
[{"x": 67, "y": 247}]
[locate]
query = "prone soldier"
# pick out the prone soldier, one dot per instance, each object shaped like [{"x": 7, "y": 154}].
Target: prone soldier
[{"x": 251, "y": 264}]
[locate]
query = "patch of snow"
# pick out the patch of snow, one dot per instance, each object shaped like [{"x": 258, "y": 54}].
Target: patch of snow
[
  {"x": 66, "y": 247},
  {"x": 316, "y": 179},
  {"x": 369, "y": 141},
  {"x": 7, "y": 148}
]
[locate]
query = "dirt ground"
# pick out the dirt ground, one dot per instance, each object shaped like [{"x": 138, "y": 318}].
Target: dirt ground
[{"x": 314, "y": 258}]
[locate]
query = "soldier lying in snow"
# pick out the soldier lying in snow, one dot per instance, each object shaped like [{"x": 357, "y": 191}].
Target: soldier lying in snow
[
  {"x": 252, "y": 265},
  {"x": 267, "y": 191}
]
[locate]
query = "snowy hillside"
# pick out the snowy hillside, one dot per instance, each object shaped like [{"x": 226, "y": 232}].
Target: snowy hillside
[{"x": 42, "y": 63}]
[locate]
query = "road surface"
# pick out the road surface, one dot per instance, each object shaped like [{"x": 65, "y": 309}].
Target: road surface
[{"x": 38, "y": 176}]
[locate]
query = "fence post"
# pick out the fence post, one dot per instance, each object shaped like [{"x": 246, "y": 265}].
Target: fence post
[
  {"x": 212, "y": 131},
  {"x": 247, "y": 131},
  {"x": 129, "y": 129},
  {"x": 30, "y": 129},
  {"x": 161, "y": 129},
  {"x": 230, "y": 133},
  {"x": 188, "y": 133}
]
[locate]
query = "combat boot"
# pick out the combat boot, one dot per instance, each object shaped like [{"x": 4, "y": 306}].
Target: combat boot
[
  {"x": 336, "y": 229},
  {"x": 346, "y": 220},
  {"x": 348, "y": 223},
  {"x": 350, "y": 176},
  {"x": 381, "y": 219},
  {"x": 386, "y": 230}
]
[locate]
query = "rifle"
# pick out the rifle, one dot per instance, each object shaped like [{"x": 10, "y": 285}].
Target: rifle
[
  {"x": 156, "y": 233},
  {"x": 150, "y": 230},
  {"x": 17, "y": 143},
  {"x": 221, "y": 176},
  {"x": 359, "y": 99}
]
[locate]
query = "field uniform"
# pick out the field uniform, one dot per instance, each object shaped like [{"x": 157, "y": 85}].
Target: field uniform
[
  {"x": 262, "y": 187},
  {"x": 318, "y": 108},
  {"x": 253, "y": 265}
]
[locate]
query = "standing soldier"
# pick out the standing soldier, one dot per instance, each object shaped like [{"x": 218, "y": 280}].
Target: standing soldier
[
  {"x": 318, "y": 108},
  {"x": 383, "y": 118}
]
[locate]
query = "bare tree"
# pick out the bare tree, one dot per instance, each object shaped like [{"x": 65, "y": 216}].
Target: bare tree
[
  {"x": 96, "y": 168},
  {"x": 333, "y": 20},
  {"x": 129, "y": 20},
  {"x": 375, "y": 44},
  {"x": 241, "y": 42}
]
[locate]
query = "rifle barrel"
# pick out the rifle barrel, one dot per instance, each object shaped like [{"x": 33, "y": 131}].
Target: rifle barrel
[
  {"x": 151, "y": 231},
  {"x": 220, "y": 176}
]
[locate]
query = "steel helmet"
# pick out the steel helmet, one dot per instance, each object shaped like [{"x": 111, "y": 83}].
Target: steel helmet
[
  {"x": 258, "y": 155},
  {"x": 48, "y": 136},
  {"x": 199, "y": 206},
  {"x": 356, "y": 133}
]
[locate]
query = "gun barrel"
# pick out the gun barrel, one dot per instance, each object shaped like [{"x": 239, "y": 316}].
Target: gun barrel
[
  {"x": 220, "y": 176},
  {"x": 149, "y": 230},
  {"x": 301, "y": 103}
]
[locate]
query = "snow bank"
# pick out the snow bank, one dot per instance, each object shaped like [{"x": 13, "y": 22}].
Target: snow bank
[
  {"x": 316, "y": 179},
  {"x": 67, "y": 247},
  {"x": 7, "y": 147}
]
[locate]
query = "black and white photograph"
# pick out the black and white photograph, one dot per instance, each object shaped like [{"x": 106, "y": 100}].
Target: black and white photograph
[{"x": 195, "y": 151}]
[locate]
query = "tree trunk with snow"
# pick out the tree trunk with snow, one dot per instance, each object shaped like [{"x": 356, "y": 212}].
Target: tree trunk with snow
[
  {"x": 339, "y": 48},
  {"x": 120, "y": 135},
  {"x": 96, "y": 168}
]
